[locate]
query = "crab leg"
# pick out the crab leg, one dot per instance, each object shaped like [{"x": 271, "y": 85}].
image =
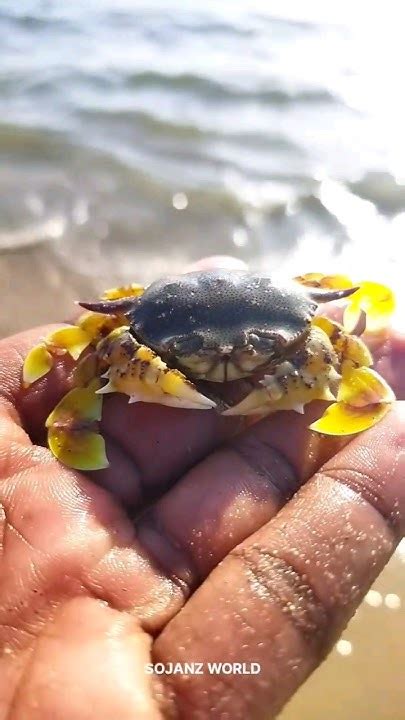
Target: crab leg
[
  {"x": 334, "y": 366},
  {"x": 363, "y": 396},
  {"x": 377, "y": 301},
  {"x": 132, "y": 290},
  {"x": 132, "y": 369},
  {"x": 72, "y": 435},
  {"x": 294, "y": 384},
  {"x": 74, "y": 339},
  {"x": 70, "y": 339},
  {"x": 137, "y": 371}
]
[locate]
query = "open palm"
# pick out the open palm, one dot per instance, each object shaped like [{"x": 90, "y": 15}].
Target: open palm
[{"x": 188, "y": 549}]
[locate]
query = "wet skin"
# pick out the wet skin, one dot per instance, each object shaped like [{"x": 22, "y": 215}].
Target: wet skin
[{"x": 169, "y": 555}]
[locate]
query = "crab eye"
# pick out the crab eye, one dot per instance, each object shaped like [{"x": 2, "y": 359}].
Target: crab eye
[
  {"x": 186, "y": 345},
  {"x": 261, "y": 343}
]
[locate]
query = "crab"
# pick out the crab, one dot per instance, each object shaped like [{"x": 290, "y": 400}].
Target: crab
[{"x": 179, "y": 340}]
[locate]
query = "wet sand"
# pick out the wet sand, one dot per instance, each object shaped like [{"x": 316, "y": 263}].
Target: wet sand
[{"x": 38, "y": 287}]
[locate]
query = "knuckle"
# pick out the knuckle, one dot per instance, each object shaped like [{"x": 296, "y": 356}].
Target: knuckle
[
  {"x": 268, "y": 463},
  {"x": 172, "y": 558},
  {"x": 279, "y": 583},
  {"x": 371, "y": 490}
]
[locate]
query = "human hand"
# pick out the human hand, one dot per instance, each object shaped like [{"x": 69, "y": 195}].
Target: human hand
[{"x": 187, "y": 549}]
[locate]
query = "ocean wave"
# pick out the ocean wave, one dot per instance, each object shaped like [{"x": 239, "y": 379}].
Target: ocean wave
[
  {"x": 128, "y": 103},
  {"x": 225, "y": 91},
  {"x": 34, "y": 234},
  {"x": 382, "y": 189},
  {"x": 161, "y": 127}
]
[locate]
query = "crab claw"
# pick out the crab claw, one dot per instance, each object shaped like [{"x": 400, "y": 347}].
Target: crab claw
[
  {"x": 37, "y": 363},
  {"x": 199, "y": 402},
  {"x": 343, "y": 419},
  {"x": 136, "y": 370},
  {"x": 252, "y": 404},
  {"x": 80, "y": 450},
  {"x": 183, "y": 392},
  {"x": 263, "y": 401},
  {"x": 170, "y": 388}
]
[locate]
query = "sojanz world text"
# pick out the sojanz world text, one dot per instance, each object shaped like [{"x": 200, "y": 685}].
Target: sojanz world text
[{"x": 202, "y": 668}]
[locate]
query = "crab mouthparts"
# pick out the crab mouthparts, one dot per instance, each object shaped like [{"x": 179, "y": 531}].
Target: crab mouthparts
[
  {"x": 223, "y": 369},
  {"x": 224, "y": 365},
  {"x": 226, "y": 351}
]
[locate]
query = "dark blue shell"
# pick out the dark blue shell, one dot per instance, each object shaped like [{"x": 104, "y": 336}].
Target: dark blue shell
[{"x": 220, "y": 307}]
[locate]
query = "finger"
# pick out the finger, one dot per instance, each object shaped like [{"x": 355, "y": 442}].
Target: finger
[
  {"x": 35, "y": 403},
  {"x": 389, "y": 357},
  {"x": 89, "y": 661},
  {"x": 63, "y": 536},
  {"x": 163, "y": 442},
  {"x": 286, "y": 593},
  {"x": 219, "y": 503},
  {"x": 232, "y": 493}
]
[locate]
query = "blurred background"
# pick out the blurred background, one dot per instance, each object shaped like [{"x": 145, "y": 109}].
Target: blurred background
[{"x": 138, "y": 136}]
